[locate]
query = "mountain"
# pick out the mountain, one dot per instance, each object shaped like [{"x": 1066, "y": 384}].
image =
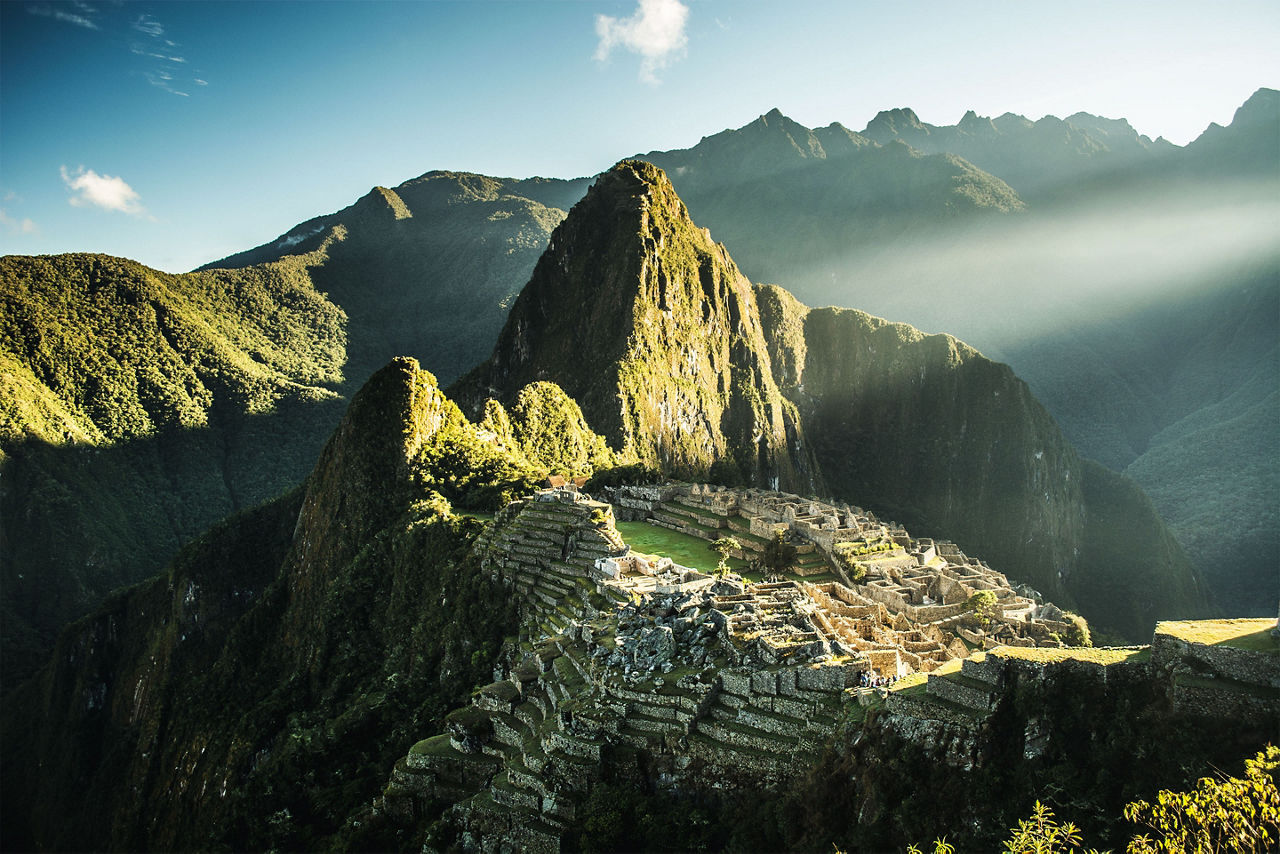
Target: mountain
[
  {"x": 428, "y": 268},
  {"x": 650, "y": 327},
  {"x": 1246, "y": 147},
  {"x": 284, "y": 659},
  {"x": 1034, "y": 157},
  {"x": 1069, "y": 287},
  {"x": 1117, "y": 249},
  {"x": 679, "y": 362},
  {"x": 255, "y": 694},
  {"x": 137, "y": 408}
]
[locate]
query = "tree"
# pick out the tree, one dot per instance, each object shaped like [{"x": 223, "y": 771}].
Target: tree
[
  {"x": 722, "y": 547},
  {"x": 1230, "y": 814},
  {"x": 1078, "y": 634},
  {"x": 778, "y": 553},
  {"x": 984, "y": 606}
]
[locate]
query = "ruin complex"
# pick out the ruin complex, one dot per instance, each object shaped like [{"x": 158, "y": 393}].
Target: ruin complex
[{"x": 721, "y": 678}]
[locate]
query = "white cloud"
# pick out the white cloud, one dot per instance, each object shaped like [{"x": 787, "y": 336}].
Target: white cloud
[
  {"x": 24, "y": 226},
  {"x": 46, "y": 11},
  {"x": 139, "y": 50},
  {"x": 149, "y": 25},
  {"x": 655, "y": 32},
  {"x": 103, "y": 191}
]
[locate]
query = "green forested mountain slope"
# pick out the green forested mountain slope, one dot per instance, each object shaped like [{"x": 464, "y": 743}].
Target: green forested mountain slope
[
  {"x": 136, "y": 408},
  {"x": 1202, "y": 412},
  {"x": 429, "y": 268}
]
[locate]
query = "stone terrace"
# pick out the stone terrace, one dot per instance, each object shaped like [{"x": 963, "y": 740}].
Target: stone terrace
[{"x": 620, "y": 649}]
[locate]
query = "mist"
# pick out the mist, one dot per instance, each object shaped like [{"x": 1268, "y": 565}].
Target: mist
[{"x": 1003, "y": 282}]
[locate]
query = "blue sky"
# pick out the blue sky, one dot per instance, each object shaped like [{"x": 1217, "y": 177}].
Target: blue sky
[{"x": 177, "y": 133}]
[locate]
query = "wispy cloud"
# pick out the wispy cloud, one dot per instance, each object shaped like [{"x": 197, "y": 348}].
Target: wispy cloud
[
  {"x": 164, "y": 80},
  {"x": 156, "y": 46},
  {"x": 655, "y": 32},
  {"x": 165, "y": 65},
  {"x": 16, "y": 226},
  {"x": 139, "y": 50},
  {"x": 149, "y": 26},
  {"x": 102, "y": 191},
  {"x": 82, "y": 17}
]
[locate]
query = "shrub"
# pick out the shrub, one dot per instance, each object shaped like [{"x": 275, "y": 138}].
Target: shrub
[{"x": 1230, "y": 814}]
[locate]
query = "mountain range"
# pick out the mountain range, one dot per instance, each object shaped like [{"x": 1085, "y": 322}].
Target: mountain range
[
  {"x": 432, "y": 267},
  {"x": 254, "y": 694}
]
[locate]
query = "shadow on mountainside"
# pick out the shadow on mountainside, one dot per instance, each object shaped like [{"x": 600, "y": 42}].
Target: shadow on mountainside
[{"x": 78, "y": 521}]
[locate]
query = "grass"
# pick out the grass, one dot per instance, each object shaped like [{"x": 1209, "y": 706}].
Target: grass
[
  {"x": 434, "y": 746},
  {"x": 1093, "y": 655},
  {"x": 686, "y": 550},
  {"x": 1252, "y": 634},
  {"x": 911, "y": 680}
]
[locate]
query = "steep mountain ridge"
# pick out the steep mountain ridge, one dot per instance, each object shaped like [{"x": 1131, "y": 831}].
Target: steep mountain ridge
[
  {"x": 650, "y": 327},
  {"x": 427, "y": 268},
  {"x": 331, "y": 625},
  {"x": 664, "y": 344}
]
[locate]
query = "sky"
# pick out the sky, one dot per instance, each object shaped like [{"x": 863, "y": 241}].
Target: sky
[{"x": 177, "y": 133}]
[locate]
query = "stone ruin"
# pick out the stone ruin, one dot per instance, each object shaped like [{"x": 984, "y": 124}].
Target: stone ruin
[
  {"x": 926, "y": 582},
  {"x": 718, "y": 675}
]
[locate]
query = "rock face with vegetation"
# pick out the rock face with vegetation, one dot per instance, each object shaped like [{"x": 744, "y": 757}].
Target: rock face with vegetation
[
  {"x": 948, "y": 440},
  {"x": 649, "y": 326},
  {"x": 136, "y": 409},
  {"x": 1179, "y": 250}
]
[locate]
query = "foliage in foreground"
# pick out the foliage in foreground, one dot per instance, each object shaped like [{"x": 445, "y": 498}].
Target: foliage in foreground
[{"x": 1227, "y": 814}]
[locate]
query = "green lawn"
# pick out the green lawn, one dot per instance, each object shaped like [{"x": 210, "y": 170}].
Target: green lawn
[
  {"x": 1252, "y": 634},
  {"x": 1094, "y": 655},
  {"x": 685, "y": 550}
]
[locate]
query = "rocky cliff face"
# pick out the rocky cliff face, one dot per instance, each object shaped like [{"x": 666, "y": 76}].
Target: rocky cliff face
[
  {"x": 944, "y": 439},
  {"x": 649, "y": 326}
]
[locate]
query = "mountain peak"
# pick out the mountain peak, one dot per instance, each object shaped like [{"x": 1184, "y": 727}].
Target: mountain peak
[
  {"x": 894, "y": 121},
  {"x": 1262, "y": 109},
  {"x": 651, "y": 328}
]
